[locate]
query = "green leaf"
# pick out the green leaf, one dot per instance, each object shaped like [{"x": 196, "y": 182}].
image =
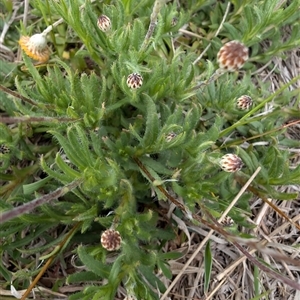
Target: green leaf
[
  {"x": 68, "y": 171},
  {"x": 232, "y": 31},
  {"x": 135, "y": 35},
  {"x": 26, "y": 240},
  {"x": 73, "y": 148},
  {"x": 192, "y": 117},
  {"x": 81, "y": 277},
  {"x": 86, "y": 294},
  {"x": 165, "y": 269},
  {"x": 89, "y": 214},
  {"x": 115, "y": 275},
  {"x": 170, "y": 255},
  {"x": 248, "y": 159},
  {"x": 92, "y": 264},
  {"x": 151, "y": 278},
  {"x": 5, "y": 273},
  {"x": 152, "y": 123},
  {"x": 105, "y": 292},
  {"x": 54, "y": 174},
  {"x": 156, "y": 166},
  {"x": 208, "y": 266}
]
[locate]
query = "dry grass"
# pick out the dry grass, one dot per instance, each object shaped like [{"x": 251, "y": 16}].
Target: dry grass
[{"x": 232, "y": 274}]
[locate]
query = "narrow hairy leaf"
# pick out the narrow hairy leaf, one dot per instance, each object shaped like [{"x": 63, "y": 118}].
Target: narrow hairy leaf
[
  {"x": 207, "y": 266},
  {"x": 96, "y": 266}
]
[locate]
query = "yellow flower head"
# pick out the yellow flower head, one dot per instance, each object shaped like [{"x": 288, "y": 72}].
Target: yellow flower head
[{"x": 35, "y": 47}]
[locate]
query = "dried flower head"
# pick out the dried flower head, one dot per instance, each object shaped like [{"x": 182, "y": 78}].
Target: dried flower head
[
  {"x": 231, "y": 163},
  {"x": 134, "y": 81},
  {"x": 35, "y": 47},
  {"x": 232, "y": 56},
  {"x": 4, "y": 149},
  {"x": 104, "y": 23},
  {"x": 111, "y": 240},
  {"x": 244, "y": 102}
]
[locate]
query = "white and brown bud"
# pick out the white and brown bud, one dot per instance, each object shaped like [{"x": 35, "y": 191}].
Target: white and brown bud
[
  {"x": 227, "y": 221},
  {"x": 232, "y": 56},
  {"x": 244, "y": 102},
  {"x": 104, "y": 23},
  {"x": 4, "y": 149},
  {"x": 174, "y": 21},
  {"x": 170, "y": 136},
  {"x": 35, "y": 47},
  {"x": 111, "y": 240},
  {"x": 134, "y": 81},
  {"x": 231, "y": 163}
]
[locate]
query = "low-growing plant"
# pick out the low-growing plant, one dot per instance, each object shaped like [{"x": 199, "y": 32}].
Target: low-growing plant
[{"x": 123, "y": 115}]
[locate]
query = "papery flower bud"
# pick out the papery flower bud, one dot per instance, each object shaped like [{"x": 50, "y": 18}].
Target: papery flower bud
[
  {"x": 244, "y": 102},
  {"x": 231, "y": 163},
  {"x": 232, "y": 56},
  {"x": 104, "y": 23},
  {"x": 111, "y": 240},
  {"x": 227, "y": 221},
  {"x": 170, "y": 136},
  {"x": 35, "y": 47},
  {"x": 4, "y": 149},
  {"x": 134, "y": 81},
  {"x": 174, "y": 21}
]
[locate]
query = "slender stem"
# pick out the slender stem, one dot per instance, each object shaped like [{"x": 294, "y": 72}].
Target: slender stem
[
  {"x": 218, "y": 72},
  {"x": 49, "y": 261},
  {"x": 262, "y": 196},
  {"x": 181, "y": 206},
  {"x": 216, "y": 34},
  {"x": 213, "y": 77},
  {"x": 17, "y": 95},
  {"x": 27, "y": 207},
  {"x": 237, "y": 142},
  {"x": 153, "y": 21},
  {"x": 50, "y": 27},
  {"x": 13, "y": 120},
  {"x": 25, "y": 15},
  {"x": 264, "y": 268}
]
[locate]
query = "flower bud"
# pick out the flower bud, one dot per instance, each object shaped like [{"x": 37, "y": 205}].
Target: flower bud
[
  {"x": 104, "y": 23},
  {"x": 4, "y": 149},
  {"x": 244, "y": 102},
  {"x": 231, "y": 163},
  {"x": 232, "y": 56},
  {"x": 227, "y": 221},
  {"x": 174, "y": 21},
  {"x": 35, "y": 47},
  {"x": 170, "y": 136},
  {"x": 134, "y": 81},
  {"x": 111, "y": 240}
]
